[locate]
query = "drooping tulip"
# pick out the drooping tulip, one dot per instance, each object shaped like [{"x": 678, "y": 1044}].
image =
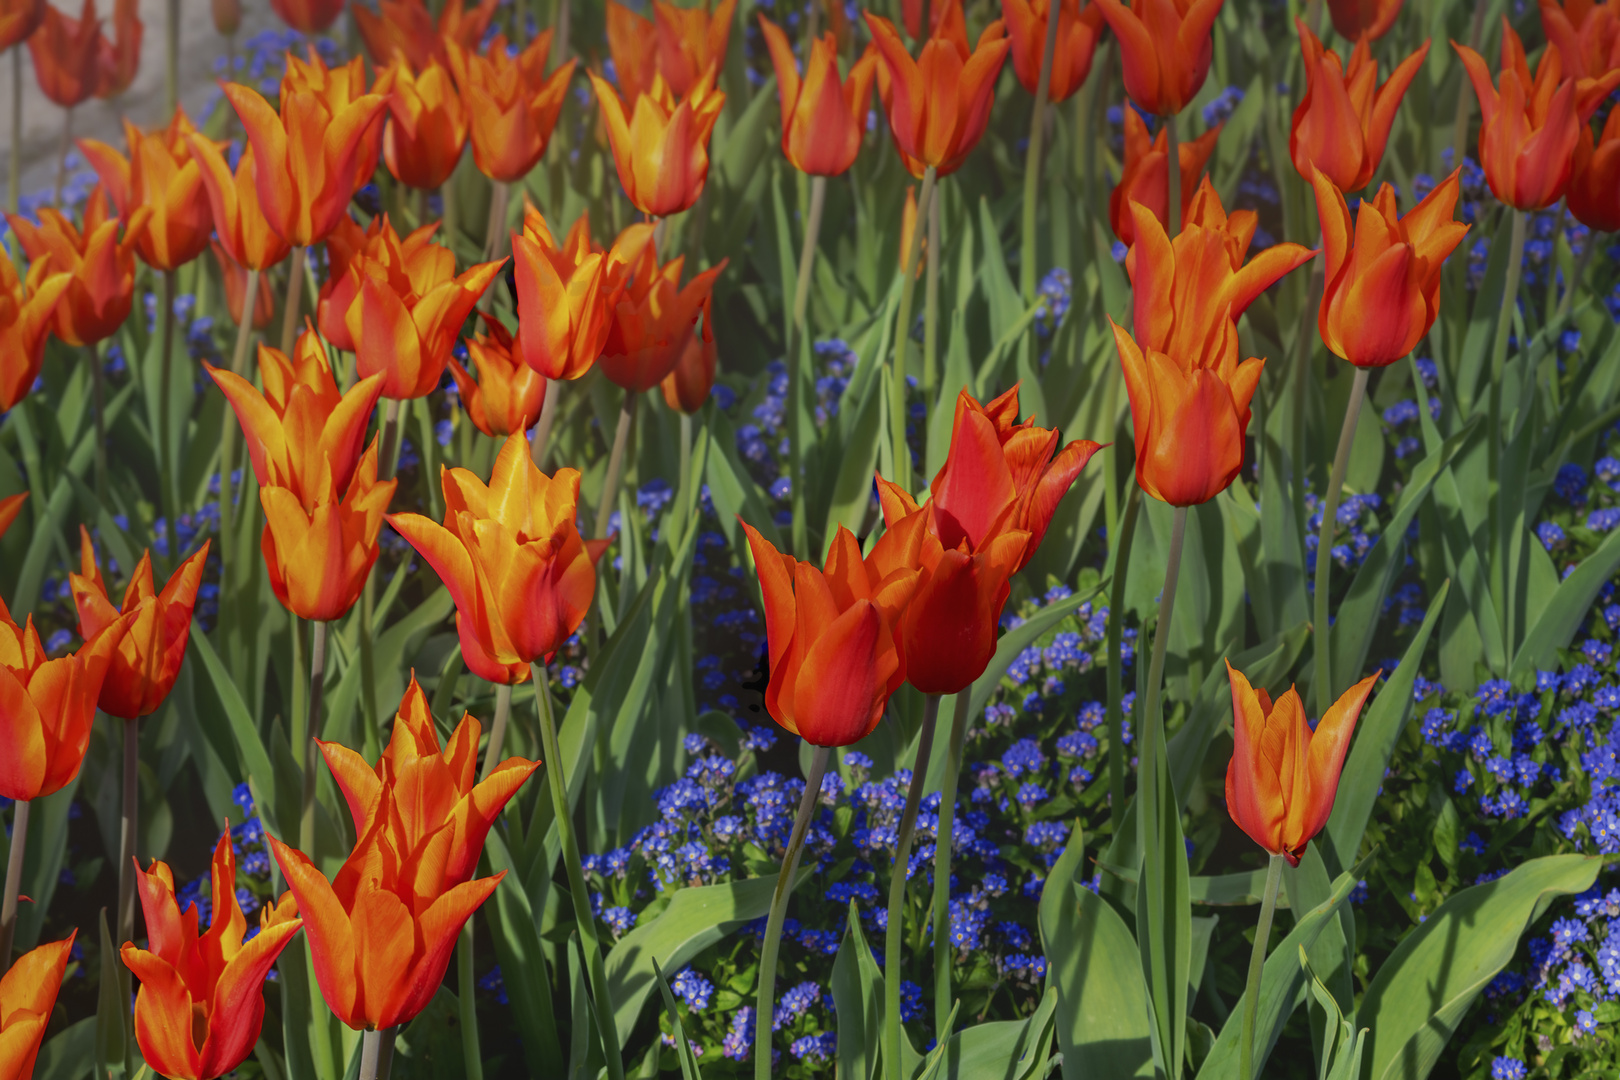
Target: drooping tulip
[
  {"x": 375, "y": 251},
  {"x": 1342, "y": 123},
  {"x": 308, "y": 17},
  {"x": 27, "y": 306},
  {"x": 119, "y": 58},
  {"x": 235, "y": 275},
  {"x": 437, "y": 796},
  {"x": 938, "y": 104},
  {"x": 66, "y": 54},
  {"x": 427, "y": 124},
  {"x": 1283, "y": 776},
  {"x": 160, "y": 174},
  {"x": 653, "y": 318},
  {"x": 823, "y": 117},
  {"x": 18, "y": 20},
  {"x": 831, "y": 635},
  {"x": 27, "y": 999},
  {"x": 201, "y": 1002},
  {"x": 1356, "y": 20},
  {"x": 507, "y": 394},
  {"x": 511, "y": 555},
  {"x": 687, "y": 387},
  {"x": 1587, "y": 34},
  {"x": 512, "y": 103},
  {"x": 1594, "y": 185},
  {"x": 149, "y": 654},
  {"x": 407, "y": 28},
  {"x": 239, "y": 220},
  {"x": 46, "y": 706},
  {"x": 1165, "y": 48},
  {"x": 1078, "y": 32},
  {"x": 101, "y": 289},
  {"x": 1530, "y": 128},
  {"x": 1382, "y": 288},
  {"x": 566, "y": 293},
  {"x": 633, "y": 44},
  {"x": 1145, "y": 178},
  {"x": 10, "y": 507},
  {"x": 691, "y": 40},
  {"x": 661, "y": 148}
]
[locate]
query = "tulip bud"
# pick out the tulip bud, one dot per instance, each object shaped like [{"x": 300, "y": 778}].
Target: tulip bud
[{"x": 227, "y": 16}]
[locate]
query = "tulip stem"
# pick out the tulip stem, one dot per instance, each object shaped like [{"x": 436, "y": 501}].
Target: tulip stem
[
  {"x": 128, "y": 860},
  {"x": 317, "y": 694},
  {"x": 472, "y": 1057},
  {"x": 686, "y": 455},
  {"x": 930, "y": 379},
  {"x": 61, "y": 159},
  {"x": 1257, "y": 967},
  {"x": 893, "y": 945},
  {"x": 289, "y": 309},
  {"x": 1116, "y": 668},
  {"x": 1465, "y": 89},
  {"x": 540, "y": 441},
  {"x": 1032, "y": 163},
  {"x": 1172, "y": 170},
  {"x": 377, "y": 1054},
  {"x": 1494, "y": 439},
  {"x": 615, "y": 467},
  {"x": 14, "y": 166},
  {"x": 498, "y": 197},
  {"x": 497, "y": 729},
  {"x": 14, "y": 870},
  {"x": 765, "y": 1002},
  {"x": 795, "y": 365},
  {"x": 1324, "y": 543},
  {"x": 1147, "y": 778},
  {"x": 98, "y": 401},
  {"x": 584, "y": 919},
  {"x": 227, "y": 437},
  {"x": 559, "y": 41},
  {"x": 942, "y": 861},
  {"x": 900, "y": 454},
  {"x": 390, "y": 440},
  {"x": 1560, "y": 216},
  {"x": 1581, "y": 263}
]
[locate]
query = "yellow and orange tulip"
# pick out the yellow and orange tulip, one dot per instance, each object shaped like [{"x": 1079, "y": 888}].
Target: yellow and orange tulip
[
  {"x": 823, "y": 117},
  {"x": 1342, "y": 123},
  {"x": 566, "y": 294},
  {"x": 239, "y": 222},
  {"x": 1078, "y": 32},
  {"x": 507, "y": 394},
  {"x": 27, "y": 307},
  {"x": 687, "y": 387},
  {"x": 160, "y": 174},
  {"x": 661, "y": 148},
  {"x": 1145, "y": 178},
  {"x": 691, "y": 40},
  {"x": 375, "y": 251},
  {"x": 652, "y": 319},
  {"x": 512, "y": 103},
  {"x": 27, "y": 999},
  {"x": 1165, "y": 48},
  {"x": 101, "y": 288},
  {"x": 633, "y": 44},
  {"x": 427, "y": 124}
]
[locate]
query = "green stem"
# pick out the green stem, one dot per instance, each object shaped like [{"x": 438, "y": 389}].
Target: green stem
[
  {"x": 127, "y": 861},
  {"x": 1172, "y": 166},
  {"x": 289, "y": 309},
  {"x": 14, "y": 872},
  {"x": 930, "y": 379},
  {"x": 901, "y": 459},
  {"x": 943, "y": 837},
  {"x": 228, "y": 433},
  {"x": 165, "y": 447},
  {"x": 389, "y": 450},
  {"x": 377, "y": 1054},
  {"x": 540, "y": 441},
  {"x": 497, "y": 729},
  {"x": 1116, "y": 637},
  {"x": 1147, "y": 780},
  {"x": 472, "y": 1058},
  {"x": 1581, "y": 263},
  {"x": 1303, "y": 340},
  {"x": 615, "y": 467},
  {"x": 1495, "y": 438},
  {"x": 893, "y": 953},
  {"x": 583, "y": 917},
  {"x": 372, "y": 736},
  {"x": 1257, "y": 967},
  {"x": 797, "y": 334},
  {"x": 317, "y": 695},
  {"x": 1560, "y": 214},
  {"x": 98, "y": 397},
  {"x": 765, "y": 1003},
  {"x": 1324, "y": 543},
  {"x": 1032, "y": 163}
]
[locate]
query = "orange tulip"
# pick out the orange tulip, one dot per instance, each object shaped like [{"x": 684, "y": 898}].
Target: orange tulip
[
  {"x": 27, "y": 999},
  {"x": 1594, "y": 186},
  {"x": 408, "y": 29},
  {"x": 1283, "y": 776},
  {"x": 938, "y": 105},
  {"x": 1529, "y": 130},
  {"x": 633, "y": 44},
  {"x": 1165, "y": 49},
  {"x": 239, "y": 220},
  {"x": 308, "y": 17},
  {"x": 511, "y": 556},
  {"x": 318, "y": 558},
  {"x": 227, "y": 16},
  {"x": 507, "y": 395},
  {"x": 375, "y": 251},
  {"x": 1383, "y": 290},
  {"x": 18, "y": 20},
  {"x": 687, "y": 387},
  {"x": 1077, "y": 34},
  {"x": 1343, "y": 121},
  {"x": 436, "y": 799},
  {"x": 309, "y": 159},
  {"x": 653, "y": 319},
  {"x": 150, "y": 652},
  {"x": 46, "y": 706},
  {"x": 67, "y": 55},
  {"x": 234, "y": 275},
  {"x": 102, "y": 267},
  {"x": 1145, "y": 178},
  {"x": 512, "y": 103},
  {"x": 1587, "y": 34},
  {"x": 10, "y": 507},
  {"x": 1356, "y": 20},
  {"x": 691, "y": 40},
  {"x": 300, "y": 429},
  {"x": 823, "y": 118},
  {"x": 201, "y": 1003},
  {"x": 338, "y": 88},
  {"x": 159, "y": 174},
  {"x": 27, "y": 307},
  {"x": 566, "y": 295},
  {"x": 118, "y": 60},
  {"x": 427, "y": 124},
  {"x": 831, "y": 633},
  {"x": 661, "y": 150}
]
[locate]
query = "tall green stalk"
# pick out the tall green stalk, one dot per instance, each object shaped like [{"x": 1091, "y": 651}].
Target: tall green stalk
[
  {"x": 1324, "y": 543},
  {"x": 540, "y": 440},
  {"x": 797, "y": 336},
  {"x": 165, "y": 419},
  {"x": 1116, "y": 639},
  {"x": 1257, "y": 967},
  {"x": 317, "y": 695},
  {"x": 377, "y": 1053},
  {"x": 901, "y": 456},
  {"x": 497, "y": 729},
  {"x": 930, "y": 378},
  {"x": 1147, "y": 780},
  {"x": 615, "y": 467},
  {"x": 893, "y": 944},
  {"x": 1032, "y": 164},
  {"x": 1500, "y": 592},
  {"x": 228, "y": 433},
  {"x": 1172, "y": 166},
  {"x": 943, "y": 837},
  {"x": 14, "y": 871},
  {"x": 472, "y": 1055},
  {"x": 289, "y": 308},
  {"x": 127, "y": 833}
]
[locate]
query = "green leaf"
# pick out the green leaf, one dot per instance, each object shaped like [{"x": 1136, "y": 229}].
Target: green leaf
[
  {"x": 1001, "y": 1049},
  {"x": 111, "y": 1034},
  {"x": 857, "y": 1004},
  {"x": 1022, "y": 637},
  {"x": 857, "y": 464},
  {"x": 523, "y": 964},
  {"x": 1568, "y": 606},
  {"x": 1426, "y": 986},
  {"x": 683, "y": 1049},
  {"x": 252, "y": 758},
  {"x": 734, "y": 492},
  {"x": 69, "y": 1054}
]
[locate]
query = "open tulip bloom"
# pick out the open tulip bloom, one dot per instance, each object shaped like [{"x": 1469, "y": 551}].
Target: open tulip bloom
[
  {"x": 27, "y": 997},
  {"x": 1342, "y": 123}
]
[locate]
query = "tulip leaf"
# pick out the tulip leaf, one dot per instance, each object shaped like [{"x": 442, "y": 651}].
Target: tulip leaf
[
  {"x": 857, "y": 464},
  {"x": 1021, "y": 637},
  {"x": 1422, "y": 991},
  {"x": 735, "y": 493},
  {"x": 856, "y": 1006},
  {"x": 69, "y": 1054},
  {"x": 1469, "y": 377},
  {"x": 1004, "y": 1049},
  {"x": 1567, "y": 608},
  {"x": 523, "y": 964},
  {"x": 253, "y": 761},
  {"x": 112, "y": 1033},
  {"x": 683, "y": 1049}
]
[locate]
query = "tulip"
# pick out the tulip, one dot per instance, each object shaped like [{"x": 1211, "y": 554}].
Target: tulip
[
  {"x": 823, "y": 117},
  {"x": 1165, "y": 49},
  {"x": 309, "y": 159},
  {"x": 118, "y": 60},
  {"x": 1587, "y": 34},
  {"x": 1529, "y": 130},
  {"x": 1145, "y": 178},
  {"x": 67, "y": 55},
  {"x": 691, "y": 40},
  {"x": 1358, "y": 20},
  {"x": 512, "y": 558},
  {"x": 653, "y": 319},
  {"x": 435, "y": 797},
  {"x": 661, "y": 149},
  {"x": 10, "y": 507},
  {"x": 508, "y": 394},
  {"x": 18, "y": 20},
  {"x": 566, "y": 295},
  {"x": 512, "y": 103},
  {"x": 300, "y": 429},
  {"x": 227, "y": 16},
  {"x": 1343, "y": 121},
  {"x": 101, "y": 288},
  {"x": 1283, "y": 776},
  {"x": 831, "y": 633},
  {"x": 338, "y": 88},
  {"x": 687, "y": 387},
  {"x": 408, "y": 29},
  {"x": 47, "y": 706},
  {"x": 318, "y": 558},
  {"x": 201, "y": 1003},
  {"x": 235, "y": 277},
  {"x": 633, "y": 44},
  {"x": 27, "y": 999},
  {"x": 308, "y": 17},
  {"x": 1383, "y": 289},
  {"x": 159, "y": 174},
  {"x": 427, "y": 124},
  {"x": 1077, "y": 34},
  {"x": 149, "y": 655},
  {"x": 239, "y": 220},
  {"x": 1594, "y": 186},
  {"x": 938, "y": 105},
  {"x": 412, "y": 264},
  {"x": 27, "y": 307}
]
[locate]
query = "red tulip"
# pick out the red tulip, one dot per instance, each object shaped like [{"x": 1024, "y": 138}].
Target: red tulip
[
  {"x": 1594, "y": 186},
  {"x": 512, "y": 104},
  {"x": 823, "y": 117},
  {"x": 1078, "y": 32},
  {"x": 1342, "y": 123},
  {"x": 1587, "y": 34},
  {"x": 407, "y": 28},
  {"x": 1146, "y": 176},
  {"x": 101, "y": 289},
  {"x": 118, "y": 60},
  {"x": 691, "y": 40},
  {"x": 1358, "y": 20},
  {"x": 507, "y": 395},
  {"x": 661, "y": 148},
  {"x": 687, "y": 387},
  {"x": 308, "y": 17},
  {"x": 66, "y": 54},
  {"x": 239, "y": 221},
  {"x": 18, "y": 20},
  {"x": 27, "y": 308},
  {"x": 653, "y": 319},
  {"x": 427, "y": 124},
  {"x": 1165, "y": 48}
]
